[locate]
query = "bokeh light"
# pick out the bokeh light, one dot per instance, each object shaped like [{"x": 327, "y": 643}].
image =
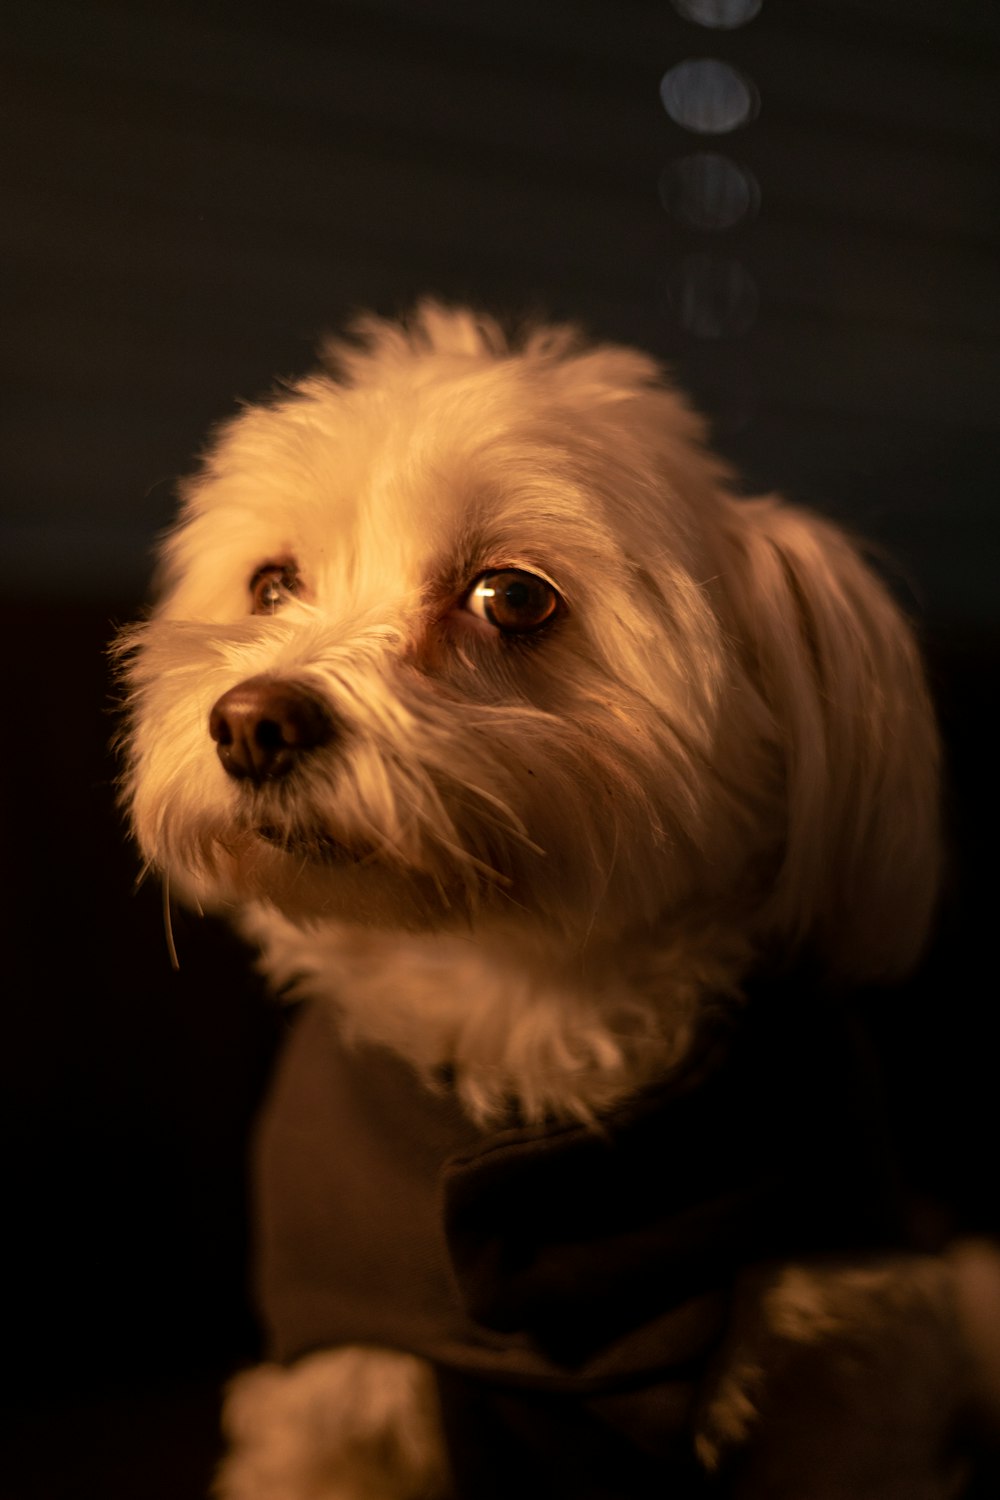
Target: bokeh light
[
  {"x": 709, "y": 96},
  {"x": 708, "y": 191},
  {"x": 712, "y": 296},
  {"x": 722, "y": 15}
]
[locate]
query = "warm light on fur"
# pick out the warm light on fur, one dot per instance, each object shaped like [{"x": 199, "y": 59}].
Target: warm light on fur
[
  {"x": 724, "y": 745},
  {"x": 532, "y": 859}
]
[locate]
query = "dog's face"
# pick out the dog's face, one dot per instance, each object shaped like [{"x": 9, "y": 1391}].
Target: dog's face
[{"x": 463, "y": 635}]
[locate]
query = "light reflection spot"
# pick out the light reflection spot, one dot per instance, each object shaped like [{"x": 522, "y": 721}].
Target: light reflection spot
[
  {"x": 709, "y": 96},
  {"x": 713, "y": 296},
  {"x": 723, "y": 15},
  {"x": 708, "y": 191}
]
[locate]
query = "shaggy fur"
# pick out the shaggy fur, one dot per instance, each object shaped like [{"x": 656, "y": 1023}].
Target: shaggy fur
[{"x": 530, "y": 856}]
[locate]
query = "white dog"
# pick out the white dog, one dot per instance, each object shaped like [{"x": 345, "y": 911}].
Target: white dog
[{"x": 567, "y": 787}]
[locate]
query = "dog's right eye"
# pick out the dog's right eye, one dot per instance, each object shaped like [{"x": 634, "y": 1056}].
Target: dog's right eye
[
  {"x": 513, "y": 601},
  {"x": 272, "y": 585}
]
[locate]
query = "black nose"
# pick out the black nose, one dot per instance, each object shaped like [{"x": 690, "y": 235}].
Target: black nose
[{"x": 263, "y": 726}]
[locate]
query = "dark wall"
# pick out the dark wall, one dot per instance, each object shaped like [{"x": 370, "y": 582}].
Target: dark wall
[
  {"x": 195, "y": 190},
  {"x": 192, "y": 194}
]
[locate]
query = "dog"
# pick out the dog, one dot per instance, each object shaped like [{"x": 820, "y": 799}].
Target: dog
[{"x": 572, "y": 795}]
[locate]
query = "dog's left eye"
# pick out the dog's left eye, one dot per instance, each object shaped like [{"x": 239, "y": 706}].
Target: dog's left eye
[
  {"x": 512, "y": 600},
  {"x": 271, "y": 585}
]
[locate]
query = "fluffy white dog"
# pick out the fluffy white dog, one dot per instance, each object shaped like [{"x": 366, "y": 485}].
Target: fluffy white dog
[{"x": 566, "y": 786}]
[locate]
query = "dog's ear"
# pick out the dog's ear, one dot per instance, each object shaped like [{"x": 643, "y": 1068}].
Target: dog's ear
[{"x": 854, "y": 736}]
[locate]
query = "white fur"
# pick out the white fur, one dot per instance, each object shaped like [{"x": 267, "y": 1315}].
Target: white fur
[
  {"x": 873, "y": 1351},
  {"x": 725, "y": 746},
  {"x": 721, "y": 753},
  {"x": 351, "y": 1424}
]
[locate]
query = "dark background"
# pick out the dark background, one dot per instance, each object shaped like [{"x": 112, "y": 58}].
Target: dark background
[{"x": 192, "y": 193}]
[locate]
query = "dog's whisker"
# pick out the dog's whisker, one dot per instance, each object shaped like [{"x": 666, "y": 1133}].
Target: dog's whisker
[
  {"x": 168, "y": 926},
  {"x": 507, "y": 818}
]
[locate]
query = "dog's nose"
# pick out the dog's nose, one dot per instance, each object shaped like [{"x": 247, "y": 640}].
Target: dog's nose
[{"x": 263, "y": 726}]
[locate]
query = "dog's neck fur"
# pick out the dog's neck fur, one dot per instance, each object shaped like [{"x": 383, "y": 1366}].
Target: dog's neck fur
[{"x": 515, "y": 1021}]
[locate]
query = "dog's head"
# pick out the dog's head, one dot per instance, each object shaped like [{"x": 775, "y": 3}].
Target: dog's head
[{"x": 457, "y": 632}]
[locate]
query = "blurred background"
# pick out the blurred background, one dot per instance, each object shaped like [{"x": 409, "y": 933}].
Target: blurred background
[{"x": 795, "y": 205}]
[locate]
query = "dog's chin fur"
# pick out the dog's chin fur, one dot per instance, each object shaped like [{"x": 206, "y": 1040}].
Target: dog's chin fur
[{"x": 534, "y": 859}]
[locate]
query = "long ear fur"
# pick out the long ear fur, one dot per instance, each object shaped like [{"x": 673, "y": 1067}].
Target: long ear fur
[{"x": 855, "y": 737}]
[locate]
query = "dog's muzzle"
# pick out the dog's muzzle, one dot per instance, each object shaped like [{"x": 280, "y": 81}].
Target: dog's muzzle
[{"x": 263, "y": 727}]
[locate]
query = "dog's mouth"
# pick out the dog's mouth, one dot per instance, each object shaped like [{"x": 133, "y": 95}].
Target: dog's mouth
[{"x": 316, "y": 845}]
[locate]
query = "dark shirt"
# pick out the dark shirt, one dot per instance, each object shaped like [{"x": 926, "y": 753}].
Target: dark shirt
[{"x": 568, "y": 1282}]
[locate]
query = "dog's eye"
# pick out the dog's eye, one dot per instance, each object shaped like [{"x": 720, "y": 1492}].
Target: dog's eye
[
  {"x": 271, "y": 585},
  {"x": 512, "y": 600}
]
